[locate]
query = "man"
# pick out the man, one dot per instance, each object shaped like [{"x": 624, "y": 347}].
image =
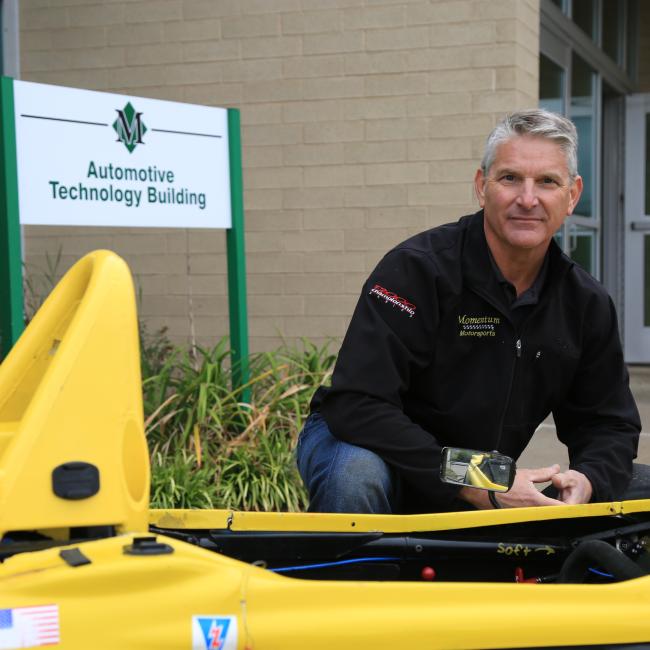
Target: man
[{"x": 469, "y": 335}]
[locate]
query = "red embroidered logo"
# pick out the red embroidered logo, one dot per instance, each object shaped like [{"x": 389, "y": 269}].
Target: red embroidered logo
[{"x": 389, "y": 297}]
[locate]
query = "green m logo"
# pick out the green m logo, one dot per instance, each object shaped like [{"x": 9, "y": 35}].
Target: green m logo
[{"x": 130, "y": 127}]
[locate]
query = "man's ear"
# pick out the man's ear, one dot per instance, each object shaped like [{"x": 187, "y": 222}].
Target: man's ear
[
  {"x": 575, "y": 190},
  {"x": 479, "y": 186}
]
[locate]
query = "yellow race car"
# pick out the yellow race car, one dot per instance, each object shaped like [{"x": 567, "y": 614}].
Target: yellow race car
[{"x": 86, "y": 564}]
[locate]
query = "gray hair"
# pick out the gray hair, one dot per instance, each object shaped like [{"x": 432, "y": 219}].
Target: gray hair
[{"x": 539, "y": 123}]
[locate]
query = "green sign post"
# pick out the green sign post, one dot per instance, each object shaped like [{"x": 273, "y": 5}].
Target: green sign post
[{"x": 187, "y": 172}]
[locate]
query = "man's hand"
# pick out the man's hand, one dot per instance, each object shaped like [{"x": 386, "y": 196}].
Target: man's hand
[
  {"x": 572, "y": 486},
  {"x": 523, "y": 492}
]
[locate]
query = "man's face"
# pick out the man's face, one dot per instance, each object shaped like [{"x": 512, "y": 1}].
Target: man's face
[{"x": 527, "y": 194}]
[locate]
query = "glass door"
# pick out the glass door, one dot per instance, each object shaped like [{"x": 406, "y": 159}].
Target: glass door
[{"x": 637, "y": 229}]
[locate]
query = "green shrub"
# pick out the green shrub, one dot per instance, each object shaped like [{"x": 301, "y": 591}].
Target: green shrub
[{"x": 211, "y": 450}]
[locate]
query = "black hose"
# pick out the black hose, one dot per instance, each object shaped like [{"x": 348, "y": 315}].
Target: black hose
[{"x": 604, "y": 556}]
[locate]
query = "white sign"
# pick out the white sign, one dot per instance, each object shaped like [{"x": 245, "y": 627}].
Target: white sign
[{"x": 87, "y": 158}]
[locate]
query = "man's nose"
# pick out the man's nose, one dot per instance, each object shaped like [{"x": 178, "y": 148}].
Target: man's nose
[{"x": 527, "y": 197}]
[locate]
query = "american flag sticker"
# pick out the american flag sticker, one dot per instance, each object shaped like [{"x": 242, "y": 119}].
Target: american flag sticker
[{"x": 29, "y": 627}]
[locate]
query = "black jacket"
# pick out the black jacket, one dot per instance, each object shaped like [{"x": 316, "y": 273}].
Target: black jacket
[{"x": 432, "y": 358}]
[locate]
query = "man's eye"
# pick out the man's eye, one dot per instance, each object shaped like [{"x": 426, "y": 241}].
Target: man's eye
[
  {"x": 508, "y": 178},
  {"x": 549, "y": 181}
]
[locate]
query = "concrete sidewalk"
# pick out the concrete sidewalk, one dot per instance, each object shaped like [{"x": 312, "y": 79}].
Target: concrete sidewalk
[{"x": 545, "y": 449}]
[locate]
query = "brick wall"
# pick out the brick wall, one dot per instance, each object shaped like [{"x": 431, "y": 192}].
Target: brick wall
[{"x": 363, "y": 122}]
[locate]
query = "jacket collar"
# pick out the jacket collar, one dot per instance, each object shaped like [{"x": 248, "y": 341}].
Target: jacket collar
[{"x": 477, "y": 268}]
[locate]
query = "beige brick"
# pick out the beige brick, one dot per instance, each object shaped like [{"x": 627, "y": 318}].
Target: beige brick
[
  {"x": 495, "y": 9},
  {"x": 134, "y": 34},
  {"x": 210, "y": 51},
  {"x": 262, "y": 157},
  {"x": 450, "y": 103},
  {"x": 397, "y": 129},
  {"x": 313, "y": 197},
  {"x": 493, "y": 55},
  {"x": 441, "y": 193},
  {"x": 274, "y": 177},
  {"x": 154, "y": 11},
  {"x": 449, "y": 171},
  {"x": 263, "y": 285},
  {"x": 75, "y": 37},
  {"x": 252, "y": 70},
  {"x": 313, "y": 154},
  {"x": 137, "y": 76},
  {"x": 374, "y": 240},
  {"x": 105, "y": 57},
  {"x": 327, "y": 65},
  {"x": 438, "y": 58},
  {"x": 318, "y": 111},
  {"x": 374, "y": 196},
  {"x": 264, "y": 242},
  {"x": 450, "y": 80},
  {"x": 397, "y": 39},
  {"x": 277, "y": 305},
  {"x": 376, "y": 62},
  {"x": 396, "y": 218},
  {"x": 273, "y": 91},
  {"x": 333, "y": 43},
  {"x": 272, "y": 220},
  {"x": 401, "y": 84},
  {"x": 324, "y": 326},
  {"x": 157, "y": 264},
  {"x": 158, "y": 53},
  {"x": 401, "y": 173},
  {"x": 37, "y": 40},
  {"x": 88, "y": 79},
  {"x": 204, "y": 285},
  {"x": 46, "y": 18},
  {"x": 424, "y": 13},
  {"x": 354, "y": 283},
  {"x": 356, "y": 109},
  {"x": 141, "y": 243},
  {"x": 264, "y": 114},
  {"x": 314, "y": 240},
  {"x": 311, "y": 22},
  {"x": 98, "y": 14},
  {"x": 317, "y": 305},
  {"x": 46, "y": 61},
  {"x": 373, "y": 17},
  {"x": 216, "y": 94},
  {"x": 332, "y": 132},
  {"x": 274, "y": 263},
  {"x": 330, "y": 88},
  {"x": 338, "y": 262},
  {"x": 266, "y": 199},
  {"x": 456, "y": 34},
  {"x": 263, "y": 134},
  {"x": 374, "y": 152},
  {"x": 204, "y": 263},
  {"x": 447, "y": 126},
  {"x": 444, "y": 149},
  {"x": 259, "y": 48},
  {"x": 199, "y": 9},
  {"x": 323, "y": 283},
  {"x": 155, "y": 285},
  {"x": 500, "y": 101},
  {"x": 250, "y": 26},
  {"x": 192, "y": 30},
  {"x": 333, "y": 176},
  {"x": 333, "y": 219},
  {"x": 264, "y": 6}
]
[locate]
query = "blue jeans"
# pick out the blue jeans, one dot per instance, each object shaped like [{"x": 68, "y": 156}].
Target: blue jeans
[{"x": 341, "y": 477}]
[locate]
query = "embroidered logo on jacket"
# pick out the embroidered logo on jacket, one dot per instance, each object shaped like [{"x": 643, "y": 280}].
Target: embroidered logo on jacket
[
  {"x": 477, "y": 325},
  {"x": 392, "y": 298}
]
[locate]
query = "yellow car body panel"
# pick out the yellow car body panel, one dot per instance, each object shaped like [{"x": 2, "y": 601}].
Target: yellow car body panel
[
  {"x": 120, "y": 601},
  {"x": 70, "y": 393}
]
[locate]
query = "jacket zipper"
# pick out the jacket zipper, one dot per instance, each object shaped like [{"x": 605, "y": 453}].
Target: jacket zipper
[{"x": 509, "y": 392}]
